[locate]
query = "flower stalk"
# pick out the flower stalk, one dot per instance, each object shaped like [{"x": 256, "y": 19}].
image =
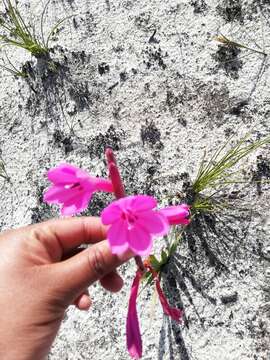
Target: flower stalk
[{"x": 119, "y": 190}]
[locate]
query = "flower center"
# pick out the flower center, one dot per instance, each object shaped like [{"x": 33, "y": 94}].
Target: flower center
[
  {"x": 76, "y": 186},
  {"x": 129, "y": 217}
]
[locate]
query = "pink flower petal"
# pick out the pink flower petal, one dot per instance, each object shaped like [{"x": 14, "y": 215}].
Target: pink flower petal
[
  {"x": 111, "y": 213},
  {"x": 134, "y": 341},
  {"x": 63, "y": 174},
  {"x": 154, "y": 222},
  {"x": 57, "y": 194},
  {"x": 69, "y": 210},
  {"x": 140, "y": 241},
  {"x": 118, "y": 237},
  {"x": 76, "y": 204},
  {"x": 142, "y": 202},
  {"x": 61, "y": 195}
]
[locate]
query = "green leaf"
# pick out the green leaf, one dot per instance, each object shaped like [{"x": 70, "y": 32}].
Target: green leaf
[
  {"x": 164, "y": 257},
  {"x": 154, "y": 262},
  {"x": 148, "y": 277}
]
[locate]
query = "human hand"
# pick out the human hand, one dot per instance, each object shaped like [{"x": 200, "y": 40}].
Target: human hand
[{"x": 37, "y": 285}]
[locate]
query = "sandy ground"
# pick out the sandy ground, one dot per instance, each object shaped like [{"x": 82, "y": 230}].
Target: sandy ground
[{"x": 147, "y": 78}]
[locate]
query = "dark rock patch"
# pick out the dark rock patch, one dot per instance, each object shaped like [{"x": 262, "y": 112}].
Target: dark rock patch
[
  {"x": 53, "y": 84},
  {"x": 229, "y": 298},
  {"x": 64, "y": 141},
  {"x": 153, "y": 39},
  {"x": 200, "y": 6},
  {"x": 42, "y": 211},
  {"x": 261, "y": 172},
  {"x": 103, "y": 68},
  {"x": 111, "y": 138},
  {"x": 173, "y": 100},
  {"x": 155, "y": 58},
  {"x": 123, "y": 76},
  {"x": 231, "y": 10},
  {"x": 227, "y": 59},
  {"x": 143, "y": 21},
  {"x": 150, "y": 134},
  {"x": 238, "y": 107}
]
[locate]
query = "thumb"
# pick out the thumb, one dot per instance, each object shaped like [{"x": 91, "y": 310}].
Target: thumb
[{"x": 72, "y": 276}]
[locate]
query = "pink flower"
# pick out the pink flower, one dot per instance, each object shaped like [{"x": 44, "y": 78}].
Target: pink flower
[
  {"x": 178, "y": 214},
  {"x": 134, "y": 341},
  {"x": 133, "y": 224},
  {"x": 73, "y": 188}
]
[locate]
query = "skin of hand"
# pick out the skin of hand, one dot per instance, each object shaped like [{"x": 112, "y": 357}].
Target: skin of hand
[{"x": 39, "y": 279}]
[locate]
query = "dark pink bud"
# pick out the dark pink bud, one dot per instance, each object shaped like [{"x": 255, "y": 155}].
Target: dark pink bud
[
  {"x": 115, "y": 177},
  {"x": 179, "y": 214}
]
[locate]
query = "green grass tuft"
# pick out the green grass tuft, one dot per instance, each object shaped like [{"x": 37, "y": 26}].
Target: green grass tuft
[
  {"x": 218, "y": 173},
  {"x": 15, "y": 32}
]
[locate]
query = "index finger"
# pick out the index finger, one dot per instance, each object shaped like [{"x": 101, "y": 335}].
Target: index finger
[{"x": 69, "y": 233}]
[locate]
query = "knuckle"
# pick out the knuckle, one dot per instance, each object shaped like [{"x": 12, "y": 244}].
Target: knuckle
[{"x": 97, "y": 263}]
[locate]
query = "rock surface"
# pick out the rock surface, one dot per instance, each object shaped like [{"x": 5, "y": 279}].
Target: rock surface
[{"x": 148, "y": 79}]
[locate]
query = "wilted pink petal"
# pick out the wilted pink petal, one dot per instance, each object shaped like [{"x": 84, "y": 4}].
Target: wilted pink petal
[
  {"x": 174, "y": 313},
  {"x": 72, "y": 188},
  {"x": 179, "y": 214},
  {"x": 134, "y": 223},
  {"x": 134, "y": 341}
]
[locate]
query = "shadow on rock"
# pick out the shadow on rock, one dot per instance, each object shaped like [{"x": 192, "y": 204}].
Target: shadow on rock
[
  {"x": 54, "y": 84},
  {"x": 211, "y": 239},
  {"x": 217, "y": 237}
]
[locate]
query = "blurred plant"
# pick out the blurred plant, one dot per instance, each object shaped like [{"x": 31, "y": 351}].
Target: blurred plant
[
  {"x": 225, "y": 41},
  {"x": 17, "y": 33}
]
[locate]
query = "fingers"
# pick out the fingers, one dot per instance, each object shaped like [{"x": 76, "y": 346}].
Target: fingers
[
  {"x": 72, "y": 252},
  {"x": 83, "y": 301},
  {"x": 112, "y": 282},
  {"x": 72, "y": 276},
  {"x": 62, "y": 235}
]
